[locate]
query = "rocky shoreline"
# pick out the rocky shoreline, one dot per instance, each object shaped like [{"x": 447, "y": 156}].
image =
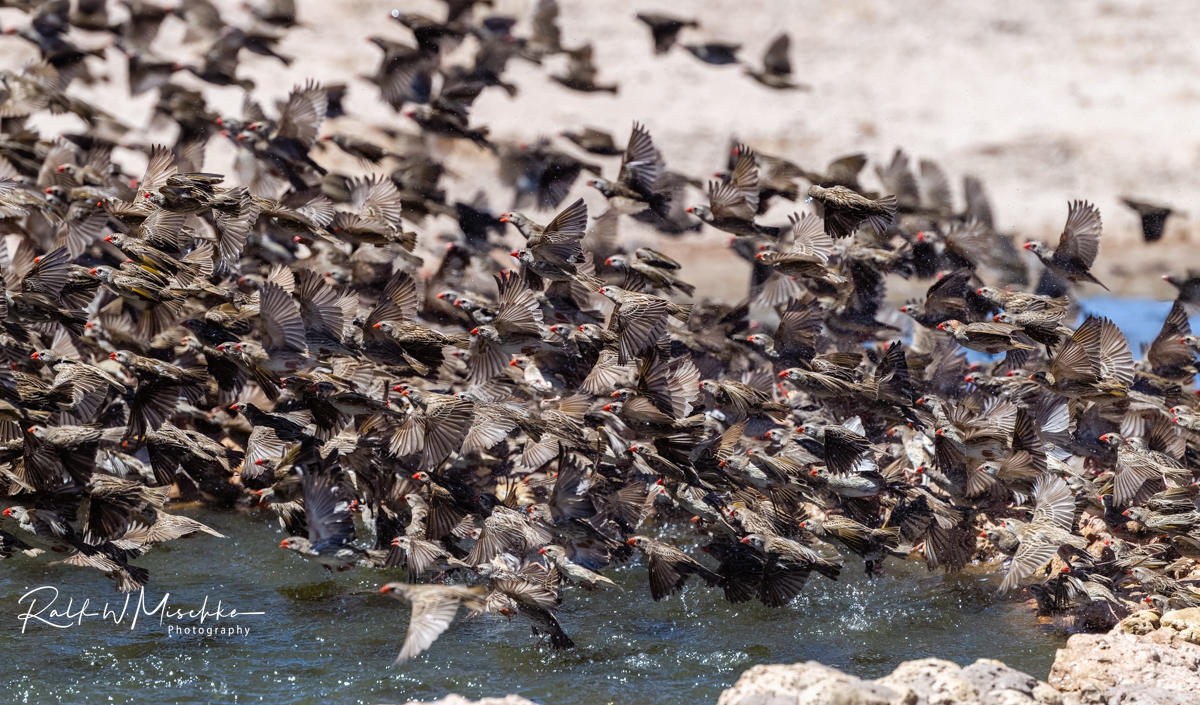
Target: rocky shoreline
[{"x": 1147, "y": 659}]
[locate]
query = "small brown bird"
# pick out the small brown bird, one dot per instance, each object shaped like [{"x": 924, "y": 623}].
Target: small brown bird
[
  {"x": 1078, "y": 246},
  {"x": 433, "y": 609},
  {"x": 808, "y": 257},
  {"x": 581, "y": 73},
  {"x": 640, "y": 320},
  {"x": 733, "y": 204},
  {"x": 777, "y": 66},
  {"x": 1154, "y": 217},
  {"x": 648, "y": 267},
  {"x": 573, "y": 572},
  {"x": 1052, "y": 526},
  {"x": 872, "y": 544},
  {"x": 990, "y": 338},
  {"x": 665, "y": 29},
  {"x": 715, "y": 53},
  {"x": 1095, "y": 362},
  {"x": 1141, "y": 471},
  {"x": 637, "y": 186},
  {"x": 669, "y": 567},
  {"x": 594, "y": 141},
  {"x": 845, "y": 210}
]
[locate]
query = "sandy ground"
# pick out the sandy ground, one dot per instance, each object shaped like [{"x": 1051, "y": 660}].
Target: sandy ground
[{"x": 1045, "y": 102}]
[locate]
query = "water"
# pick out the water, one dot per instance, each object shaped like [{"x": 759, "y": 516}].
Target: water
[{"x": 331, "y": 639}]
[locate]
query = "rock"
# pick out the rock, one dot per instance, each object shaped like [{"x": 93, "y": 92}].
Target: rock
[
  {"x": 1191, "y": 635},
  {"x": 1140, "y": 623},
  {"x": 810, "y": 683},
  {"x": 999, "y": 684},
  {"x": 454, "y": 699},
  {"x": 1046, "y": 694},
  {"x": 1186, "y": 622},
  {"x": 1179, "y": 620},
  {"x": 1119, "y": 667},
  {"x": 924, "y": 682},
  {"x": 936, "y": 682}
]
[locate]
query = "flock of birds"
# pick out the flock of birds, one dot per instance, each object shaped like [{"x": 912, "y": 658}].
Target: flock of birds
[{"x": 511, "y": 420}]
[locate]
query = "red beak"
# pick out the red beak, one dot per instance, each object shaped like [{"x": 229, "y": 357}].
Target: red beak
[
  {"x": 1028, "y": 245},
  {"x": 283, "y": 543},
  {"x": 630, "y": 542},
  {"x": 745, "y": 540}
]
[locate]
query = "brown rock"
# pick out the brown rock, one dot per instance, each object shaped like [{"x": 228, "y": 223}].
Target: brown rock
[
  {"x": 1181, "y": 620},
  {"x": 810, "y": 683},
  {"x": 1118, "y": 667},
  {"x": 1140, "y": 623},
  {"x": 936, "y": 682}
]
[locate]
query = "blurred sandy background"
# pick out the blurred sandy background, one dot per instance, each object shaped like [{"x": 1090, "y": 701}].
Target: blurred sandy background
[{"x": 1044, "y": 101}]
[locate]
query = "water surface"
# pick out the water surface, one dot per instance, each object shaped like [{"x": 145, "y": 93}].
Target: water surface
[{"x": 331, "y": 639}]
